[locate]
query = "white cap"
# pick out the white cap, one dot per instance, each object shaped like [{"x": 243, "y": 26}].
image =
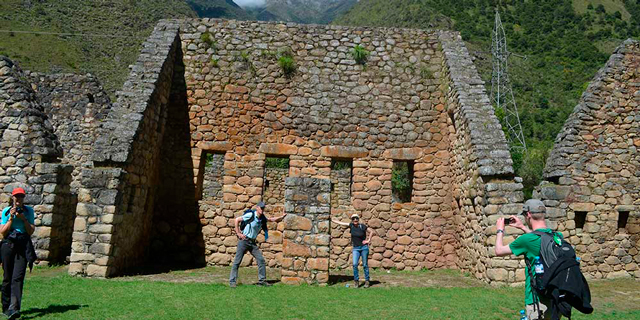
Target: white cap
[{"x": 355, "y": 215}]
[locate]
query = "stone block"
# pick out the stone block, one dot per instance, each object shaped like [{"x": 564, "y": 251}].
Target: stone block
[
  {"x": 86, "y": 209},
  {"x": 76, "y": 269},
  {"x": 97, "y": 271},
  {"x": 292, "y": 249},
  {"x": 292, "y": 280},
  {"x": 403, "y": 153},
  {"x": 344, "y": 152},
  {"x": 296, "y": 222},
  {"x": 81, "y": 257},
  {"x": 214, "y": 145},
  {"x": 318, "y": 264},
  {"x": 582, "y": 206},
  {"x": 101, "y": 228},
  {"x": 278, "y": 149},
  {"x": 101, "y": 248}
]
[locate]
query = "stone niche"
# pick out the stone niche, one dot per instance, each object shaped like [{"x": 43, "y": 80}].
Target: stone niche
[{"x": 592, "y": 177}]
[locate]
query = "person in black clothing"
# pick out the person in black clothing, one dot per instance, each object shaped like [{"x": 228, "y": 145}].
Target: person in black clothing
[
  {"x": 360, "y": 243},
  {"x": 16, "y": 251}
]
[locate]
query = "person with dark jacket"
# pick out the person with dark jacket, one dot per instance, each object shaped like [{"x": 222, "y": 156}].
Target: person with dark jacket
[
  {"x": 360, "y": 243},
  {"x": 16, "y": 251}
]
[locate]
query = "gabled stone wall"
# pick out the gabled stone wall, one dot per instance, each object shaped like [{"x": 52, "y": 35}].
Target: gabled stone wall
[
  {"x": 483, "y": 182},
  {"x": 592, "y": 175},
  {"x": 30, "y": 153}
]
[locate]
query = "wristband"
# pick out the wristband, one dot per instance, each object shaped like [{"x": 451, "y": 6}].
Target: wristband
[{"x": 499, "y": 231}]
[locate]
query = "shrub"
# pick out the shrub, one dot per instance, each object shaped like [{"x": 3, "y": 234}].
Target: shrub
[
  {"x": 214, "y": 62},
  {"x": 208, "y": 40},
  {"x": 426, "y": 73},
  {"x": 360, "y": 54},
  {"x": 287, "y": 63}
]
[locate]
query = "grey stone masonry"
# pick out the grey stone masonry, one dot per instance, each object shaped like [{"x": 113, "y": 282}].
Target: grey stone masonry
[
  {"x": 30, "y": 153},
  {"x": 592, "y": 176},
  {"x": 306, "y": 231},
  {"x": 113, "y": 227},
  {"x": 484, "y": 184}
]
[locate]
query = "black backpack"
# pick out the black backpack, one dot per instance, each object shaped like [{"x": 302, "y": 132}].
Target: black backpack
[
  {"x": 263, "y": 222},
  {"x": 562, "y": 282},
  {"x": 244, "y": 223}
]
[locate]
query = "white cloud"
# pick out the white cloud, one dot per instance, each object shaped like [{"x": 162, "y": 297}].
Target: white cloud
[{"x": 250, "y": 3}]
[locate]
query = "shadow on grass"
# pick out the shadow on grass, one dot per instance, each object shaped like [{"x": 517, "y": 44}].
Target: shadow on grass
[
  {"x": 339, "y": 278},
  {"x": 51, "y": 309},
  {"x": 159, "y": 268}
]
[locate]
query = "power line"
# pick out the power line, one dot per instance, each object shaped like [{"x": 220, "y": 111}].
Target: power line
[
  {"x": 501, "y": 91},
  {"x": 71, "y": 34}
]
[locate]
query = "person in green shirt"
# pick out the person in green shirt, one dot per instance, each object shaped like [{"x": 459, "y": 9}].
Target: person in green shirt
[{"x": 528, "y": 245}]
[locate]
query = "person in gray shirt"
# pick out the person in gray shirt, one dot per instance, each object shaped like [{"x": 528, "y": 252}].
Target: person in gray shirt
[{"x": 254, "y": 221}]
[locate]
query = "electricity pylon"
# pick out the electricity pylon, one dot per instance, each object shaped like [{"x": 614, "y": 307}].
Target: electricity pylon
[{"x": 501, "y": 93}]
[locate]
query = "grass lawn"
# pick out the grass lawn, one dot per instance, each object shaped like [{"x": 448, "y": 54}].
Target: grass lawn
[{"x": 202, "y": 294}]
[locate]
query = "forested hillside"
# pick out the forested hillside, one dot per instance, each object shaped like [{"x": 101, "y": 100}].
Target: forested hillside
[
  {"x": 565, "y": 42},
  {"x": 127, "y": 22}
]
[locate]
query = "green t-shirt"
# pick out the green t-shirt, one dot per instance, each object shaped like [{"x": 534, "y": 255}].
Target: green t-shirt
[{"x": 529, "y": 244}]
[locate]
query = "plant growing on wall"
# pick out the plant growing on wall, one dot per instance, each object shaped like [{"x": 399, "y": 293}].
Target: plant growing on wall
[
  {"x": 360, "y": 54},
  {"x": 426, "y": 73},
  {"x": 207, "y": 39},
  {"x": 287, "y": 63}
]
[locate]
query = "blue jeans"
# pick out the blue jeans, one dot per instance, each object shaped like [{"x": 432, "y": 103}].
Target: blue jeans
[{"x": 361, "y": 251}]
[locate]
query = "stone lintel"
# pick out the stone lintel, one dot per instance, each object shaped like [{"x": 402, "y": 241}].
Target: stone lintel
[
  {"x": 344, "y": 152},
  {"x": 403, "y": 153},
  {"x": 625, "y": 208},
  {"x": 582, "y": 206},
  {"x": 215, "y": 146},
  {"x": 278, "y": 149}
]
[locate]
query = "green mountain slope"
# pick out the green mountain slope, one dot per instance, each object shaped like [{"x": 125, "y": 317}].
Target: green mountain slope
[
  {"x": 564, "y": 47},
  {"x": 219, "y": 9},
  {"x": 128, "y": 21},
  {"x": 302, "y": 11}
]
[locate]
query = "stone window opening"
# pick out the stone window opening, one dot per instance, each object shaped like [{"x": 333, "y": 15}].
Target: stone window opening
[
  {"x": 210, "y": 177},
  {"x": 276, "y": 170},
  {"x": 580, "y": 218},
  {"x": 341, "y": 177},
  {"x": 402, "y": 181},
  {"x": 623, "y": 218}
]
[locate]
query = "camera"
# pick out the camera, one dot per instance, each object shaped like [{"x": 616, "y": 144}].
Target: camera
[{"x": 509, "y": 220}]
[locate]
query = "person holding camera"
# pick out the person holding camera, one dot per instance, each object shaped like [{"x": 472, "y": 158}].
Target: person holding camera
[
  {"x": 16, "y": 251},
  {"x": 360, "y": 243},
  {"x": 528, "y": 245},
  {"x": 254, "y": 220}
]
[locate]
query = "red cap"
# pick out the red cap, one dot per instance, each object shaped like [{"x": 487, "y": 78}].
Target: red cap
[{"x": 17, "y": 191}]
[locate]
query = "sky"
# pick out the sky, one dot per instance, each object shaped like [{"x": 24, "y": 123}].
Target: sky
[{"x": 249, "y": 3}]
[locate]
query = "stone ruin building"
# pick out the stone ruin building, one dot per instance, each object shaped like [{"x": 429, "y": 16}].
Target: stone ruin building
[
  {"x": 592, "y": 177},
  {"x": 209, "y": 123}
]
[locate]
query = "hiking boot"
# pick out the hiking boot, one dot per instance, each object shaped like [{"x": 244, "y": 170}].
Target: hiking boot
[
  {"x": 356, "y": 283},
  {"x": 264, "y": 284},
  {"x": 232, "y": 285},
  {"x": 12, "y": 314},
  {"x": 366, "y": 284}
]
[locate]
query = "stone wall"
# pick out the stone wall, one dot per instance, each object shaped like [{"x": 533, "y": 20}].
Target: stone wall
[
  {"x": 484, "y": 186},
  {"x": 332, "y": 108},
  {"x": 306, "y": 238},
  {"x": 139, "y": 145},
  {"x": 592, "y": 175},
  {"x": 30, "y": 153},
  {"x": 75, "y": 106},
  {"x": 215, "y": 86}
]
